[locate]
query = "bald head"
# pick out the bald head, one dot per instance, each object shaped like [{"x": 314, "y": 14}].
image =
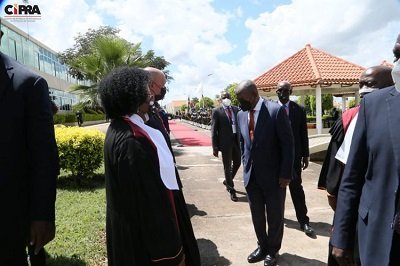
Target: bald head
[
  {"x": 247, "y": 95},
  {"x": 376, "y": 77},
  {"x": 157, "y": 80}
]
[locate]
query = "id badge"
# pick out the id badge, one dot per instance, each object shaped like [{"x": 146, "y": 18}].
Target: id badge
[{"x": 234, "y": 129}]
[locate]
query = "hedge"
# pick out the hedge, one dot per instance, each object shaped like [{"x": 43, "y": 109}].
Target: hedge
[
  {"x": 80, "y": 150},
  {"x": 62, "y": 118}
]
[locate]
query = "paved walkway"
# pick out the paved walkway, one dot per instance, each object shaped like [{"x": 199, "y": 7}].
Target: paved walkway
[{"x": 224, "y": 229}]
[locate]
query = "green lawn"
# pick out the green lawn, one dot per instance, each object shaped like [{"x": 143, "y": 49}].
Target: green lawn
[{"x": 80, "y": 223}]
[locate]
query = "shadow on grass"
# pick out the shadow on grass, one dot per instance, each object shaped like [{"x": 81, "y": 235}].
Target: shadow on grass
[
  {"x": 72, "y": 183},
  {"x": 63, "y": 261}
]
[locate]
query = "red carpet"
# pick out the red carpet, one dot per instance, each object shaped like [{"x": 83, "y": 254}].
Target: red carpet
[{"x": 187, "y": 136}]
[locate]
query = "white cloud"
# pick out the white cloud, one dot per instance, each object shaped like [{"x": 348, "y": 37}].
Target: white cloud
[
  {"x": 362, "y": 31},
  {"x": 192, "y": 34},
  {"x": 61, "y": 21}
]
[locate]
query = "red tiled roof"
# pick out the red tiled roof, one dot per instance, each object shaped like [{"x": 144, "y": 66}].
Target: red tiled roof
[{"x": 310, "y": 67}]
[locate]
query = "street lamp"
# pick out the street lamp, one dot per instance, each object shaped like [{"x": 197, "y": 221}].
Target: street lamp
[{"x": 202, "y": 96}]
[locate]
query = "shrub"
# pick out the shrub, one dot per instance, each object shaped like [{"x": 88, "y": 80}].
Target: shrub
[{"x": 80, "y": 150}]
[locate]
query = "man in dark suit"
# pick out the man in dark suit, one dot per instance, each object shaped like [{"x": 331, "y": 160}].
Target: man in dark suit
[
  {"x": 266, "y": 142},
  {"x": 28, "y": 163},
  {"x": 298, "y": 122},
  {"x": 368, "y": 195},
  {"x": 225, "y": 138}
]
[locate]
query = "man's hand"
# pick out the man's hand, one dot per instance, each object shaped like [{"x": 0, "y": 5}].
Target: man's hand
[
  {"x": 42, "y": 232},
  {"x": 215, "y": 153},
  {"x": 343, "y": 256},
  {"x": 284, "y": 182},
  {"x": 305, "y": 163},
  {"x": 332, "y": 201}
]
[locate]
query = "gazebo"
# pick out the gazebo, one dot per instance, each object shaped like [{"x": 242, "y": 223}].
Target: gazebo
[{"x": 312, "y": 71}]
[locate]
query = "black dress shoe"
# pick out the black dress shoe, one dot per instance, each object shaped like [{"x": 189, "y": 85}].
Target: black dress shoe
[
  {"x": 233, "y": 196},
  {"x": 307, "y": 229},
  {"x": 257, "y": 255},
  {"x": 270, "y": 260}
]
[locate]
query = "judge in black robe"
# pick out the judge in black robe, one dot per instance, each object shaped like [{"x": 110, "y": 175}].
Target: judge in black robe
[{"x": 147, "y": 222}]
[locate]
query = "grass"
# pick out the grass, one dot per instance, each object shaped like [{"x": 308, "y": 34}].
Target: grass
[{"x": 80, "y": 223}]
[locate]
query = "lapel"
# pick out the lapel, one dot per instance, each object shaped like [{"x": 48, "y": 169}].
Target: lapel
[
  {"x": 244, "y": 124},
  {"x": 7, "y": 74},
  {"x": 261, "y": 120},
  {"x": 393, "y": 104},
  {"x": 223, "y": 113},
  {"x": 292, "y": 111}
]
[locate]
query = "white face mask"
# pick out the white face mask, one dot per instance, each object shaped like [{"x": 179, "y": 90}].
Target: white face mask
[
  {"x": 226, "y": 102},
  {"x": 396, "y": 75},
  {"x": 365, "y": 89}
]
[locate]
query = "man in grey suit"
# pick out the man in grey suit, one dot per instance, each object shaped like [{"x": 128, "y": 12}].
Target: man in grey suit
[
  {"x": 28, "y": 163},
  {"x": 368, "y": 198},
  {"x": 225, "y": 138},
  {"x": 266, "y": 141}
]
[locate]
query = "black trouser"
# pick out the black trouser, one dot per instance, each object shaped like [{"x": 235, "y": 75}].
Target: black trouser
[
  {"x": 39, "y": 259},
  {"x": 231, "y": 160},
  {"x": 298, "y": 196},
  {"x": 395, "y": 251},
  {"x": 267, "y": 204}
]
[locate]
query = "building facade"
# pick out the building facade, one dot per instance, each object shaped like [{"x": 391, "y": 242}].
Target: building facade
[{"x": 42, "y": 60}]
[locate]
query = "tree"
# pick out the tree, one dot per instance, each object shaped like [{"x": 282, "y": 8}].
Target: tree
[
  {"x": 205, "y": 102},
  {"x": 97, "y": 52},
  {"x": 231, "y": 90},
  {"x": 327, "y": 102},
  {"x": 310, "y": 103}
]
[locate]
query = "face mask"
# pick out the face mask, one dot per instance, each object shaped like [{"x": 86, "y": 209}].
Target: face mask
[
  {"x": 245, "y": 106},
  {"x": 162, "y": 94},
  {"x": 226, "y": 102},
  {"x": 396, "y": 75},
  {"x": 365, "y": 90}
]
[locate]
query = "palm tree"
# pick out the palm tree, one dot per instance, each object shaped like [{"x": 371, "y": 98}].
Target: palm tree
[{"x": 106, "y": 53}]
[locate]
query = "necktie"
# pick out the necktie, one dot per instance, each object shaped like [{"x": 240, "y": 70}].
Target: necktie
[
  {"x": 287, "y": 108},
  {"x": 229, "y": 114},
  {"x": 251, "y": 125}
]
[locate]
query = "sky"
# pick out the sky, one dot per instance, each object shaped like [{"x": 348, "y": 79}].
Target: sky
[{"x": 213, "y": 43}]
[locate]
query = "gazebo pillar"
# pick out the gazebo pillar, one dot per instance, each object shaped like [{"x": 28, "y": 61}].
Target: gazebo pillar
[
  {"x": 318, "y": 104},
  {"x": 344, "y": 103},
  {"x": 357, "y": 97}
]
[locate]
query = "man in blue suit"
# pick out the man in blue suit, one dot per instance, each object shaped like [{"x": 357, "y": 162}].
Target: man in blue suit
[
  {"x": 267, "y": 147},
  {"x": 368, "y": 194},
  {"x": 28, "y": 163}
]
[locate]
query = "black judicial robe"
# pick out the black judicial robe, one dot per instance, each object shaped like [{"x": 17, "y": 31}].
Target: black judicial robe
[{"x": 146, "y": 223}]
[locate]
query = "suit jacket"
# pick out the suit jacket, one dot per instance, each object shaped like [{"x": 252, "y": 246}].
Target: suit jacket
[
  {"x": 221, "y": 129},
  {"x": 370, "y": 181},
  {"x": 298, "y": 122},
  {"x": 270, "y": 155},
  {"x": 28, "y": 152}
]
